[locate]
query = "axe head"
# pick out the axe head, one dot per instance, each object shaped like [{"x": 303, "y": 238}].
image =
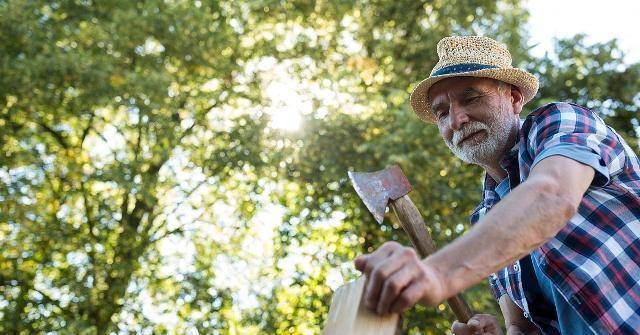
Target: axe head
[{"x": 377, "y": 188}]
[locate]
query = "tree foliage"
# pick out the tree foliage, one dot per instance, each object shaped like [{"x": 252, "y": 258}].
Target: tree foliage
[{"x": 146, "y": 186}]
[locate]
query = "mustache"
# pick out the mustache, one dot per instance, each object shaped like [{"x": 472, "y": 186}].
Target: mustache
[{"x": 468, "y": 129}]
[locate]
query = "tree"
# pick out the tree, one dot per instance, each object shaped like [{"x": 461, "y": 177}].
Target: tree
[{"x": 97, "y": 100}]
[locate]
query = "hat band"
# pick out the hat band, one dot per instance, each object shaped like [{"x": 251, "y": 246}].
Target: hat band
[{"x": 465, "y": 67}]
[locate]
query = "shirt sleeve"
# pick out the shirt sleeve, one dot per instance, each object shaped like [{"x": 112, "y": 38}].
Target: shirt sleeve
[
  {"x": 496, "y": 287},
  {"x": 576, "y": 133}
]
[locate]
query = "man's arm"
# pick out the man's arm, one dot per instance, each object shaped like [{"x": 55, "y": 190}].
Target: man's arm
[
  {"x": 528, "y": 216},
  {"x": 514, "y": 320}
]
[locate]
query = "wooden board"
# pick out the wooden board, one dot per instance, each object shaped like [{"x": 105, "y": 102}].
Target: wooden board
[{"x": 348, "y": 315}]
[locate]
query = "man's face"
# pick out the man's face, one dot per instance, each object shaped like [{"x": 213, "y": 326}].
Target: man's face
[{"x": 477, "y": 117}]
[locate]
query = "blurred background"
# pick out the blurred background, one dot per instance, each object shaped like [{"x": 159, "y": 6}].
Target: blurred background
[{"x": 181, "y": 166}]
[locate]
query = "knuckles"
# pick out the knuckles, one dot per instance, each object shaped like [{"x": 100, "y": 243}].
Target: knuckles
[
  {"x": 409, "y": 253},
  {"x": 391, "y": 244},
  {"x": 379, "y": 273},
  {"x": 393, "y": 287},
  {"x": 406, "y": 300},
  {"x": 369, "y": 268}
]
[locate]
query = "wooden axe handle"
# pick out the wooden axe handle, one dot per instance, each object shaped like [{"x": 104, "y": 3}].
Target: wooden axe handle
[{"x": 413, "y": 224}]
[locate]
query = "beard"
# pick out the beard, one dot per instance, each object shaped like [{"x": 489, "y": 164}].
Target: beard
[{"x": 483, "y": 143}]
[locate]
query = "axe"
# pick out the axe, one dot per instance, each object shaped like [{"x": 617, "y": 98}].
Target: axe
[{"x": 390, "y": 185}]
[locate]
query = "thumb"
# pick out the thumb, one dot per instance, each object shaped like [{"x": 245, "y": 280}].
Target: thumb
[
  {"x": 478, "y": 322},
  {"x": 459, "y": 328},
  {"x": 475, "y": 324}
]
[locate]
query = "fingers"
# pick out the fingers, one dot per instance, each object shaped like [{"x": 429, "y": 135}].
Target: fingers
[
  {"x": 397, "y": 279},
  {"x": 393, "y": 287},
  {"x": 459, "y": 328},
  {"x": 482, "y": 321},
  {"x": 381, "y": 273},
  {"x": 475, "y": 324},
  {"x": 408, "y": 297},
  {"x": 366, "y": 263},
  {"x": 478, "y": 324},
  {"x": 360, "y": 262}
]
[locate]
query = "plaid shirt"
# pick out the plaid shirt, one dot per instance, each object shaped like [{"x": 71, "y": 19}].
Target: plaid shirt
[{"x": 594, "y": 261}]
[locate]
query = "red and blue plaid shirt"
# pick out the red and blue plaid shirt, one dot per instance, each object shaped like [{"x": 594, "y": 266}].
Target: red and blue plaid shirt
[{"x": 594, "y": 261}]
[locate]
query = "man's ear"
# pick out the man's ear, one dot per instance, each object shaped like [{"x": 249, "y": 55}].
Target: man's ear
[{"x": 517, "y": 99}]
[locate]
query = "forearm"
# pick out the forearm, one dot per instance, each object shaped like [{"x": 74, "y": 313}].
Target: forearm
[
  {"x": 514, "y": 320},
  {"x": 514, "y": 330},
  {"x": 530, "y": 215}
]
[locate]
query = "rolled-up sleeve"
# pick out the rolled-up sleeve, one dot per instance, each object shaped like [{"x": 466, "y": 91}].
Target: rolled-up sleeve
[
  {"x": 497, "y": 289},
  {"x": 576, "y": 133}
]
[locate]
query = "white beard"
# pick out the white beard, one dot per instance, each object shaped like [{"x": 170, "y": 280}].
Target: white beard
[{"x": 485, "y": 148}]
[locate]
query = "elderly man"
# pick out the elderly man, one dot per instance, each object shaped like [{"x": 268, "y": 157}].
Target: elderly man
[{"x": 557, "y": 231}]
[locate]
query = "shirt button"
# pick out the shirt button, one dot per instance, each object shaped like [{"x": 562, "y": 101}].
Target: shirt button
[
  {"x": 575, "y": 300},
  {"x": 516, "y": 267},
  {"x": 526, "y": 315}
]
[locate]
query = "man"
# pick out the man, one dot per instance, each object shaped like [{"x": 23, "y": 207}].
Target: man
[{"x": 557, "y": 232}]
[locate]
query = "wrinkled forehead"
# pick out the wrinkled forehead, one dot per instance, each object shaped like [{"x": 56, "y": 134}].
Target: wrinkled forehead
[{"x": 457, "y": 85}]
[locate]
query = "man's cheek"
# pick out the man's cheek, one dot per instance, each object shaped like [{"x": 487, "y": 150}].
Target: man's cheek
[{"x": 446, "y": 134}]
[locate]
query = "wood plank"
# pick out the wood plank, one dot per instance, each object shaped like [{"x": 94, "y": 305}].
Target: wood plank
[{"x": 349, "y": 315}]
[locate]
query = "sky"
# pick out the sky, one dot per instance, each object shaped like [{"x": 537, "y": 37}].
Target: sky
[{"x": 600, "y": 20}]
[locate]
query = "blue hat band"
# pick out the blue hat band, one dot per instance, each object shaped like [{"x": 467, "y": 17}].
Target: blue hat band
[{"x": 460, "y": 68}]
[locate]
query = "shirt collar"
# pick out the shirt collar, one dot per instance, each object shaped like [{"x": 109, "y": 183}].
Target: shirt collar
[{"x": 509, "y": 163}]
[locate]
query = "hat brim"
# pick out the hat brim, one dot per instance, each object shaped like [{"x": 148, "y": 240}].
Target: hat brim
[{"x": 421, "y": 105}]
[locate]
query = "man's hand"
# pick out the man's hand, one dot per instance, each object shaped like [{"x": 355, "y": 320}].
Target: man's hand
[
  {"x": 479, "y": 324},
  {"x": 397, "y": 279}
]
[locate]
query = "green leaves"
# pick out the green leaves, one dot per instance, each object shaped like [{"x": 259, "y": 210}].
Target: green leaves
[{"x": 594, "y": 76}]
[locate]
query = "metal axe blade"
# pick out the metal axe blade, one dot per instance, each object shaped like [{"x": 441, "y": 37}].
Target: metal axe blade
[{"x": 377, "y": 188}]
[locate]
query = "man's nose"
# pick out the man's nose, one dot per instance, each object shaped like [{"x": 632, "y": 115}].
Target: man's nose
[{"x": 458, "y": 117}]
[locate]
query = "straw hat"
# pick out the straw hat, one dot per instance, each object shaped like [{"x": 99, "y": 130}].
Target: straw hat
[{"x": 471, "y": 56}]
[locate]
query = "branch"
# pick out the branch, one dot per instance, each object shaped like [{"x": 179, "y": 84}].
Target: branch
[
  {"x": 190, "y": 129},
  {"x": 186, "y": 197},
  {"x": 118, "y": 130},
  {"x": 86, "y": 130},
  {"x": 57, "y": 135},
  {"x": 138, "y": 147},
  {"x": 87, "y": 210},
  {"x": 180, "y": 229},
  {"x": 93, "y": 237},
  {"x": 169, "y": 233},
  {"x": 113, "y": 153},
  {"x": 50, "y": 300}
]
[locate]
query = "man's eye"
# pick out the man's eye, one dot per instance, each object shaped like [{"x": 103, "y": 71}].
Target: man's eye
[
  {"x": 471, "y": 100},
  {"x": 441, "y": 113}
]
